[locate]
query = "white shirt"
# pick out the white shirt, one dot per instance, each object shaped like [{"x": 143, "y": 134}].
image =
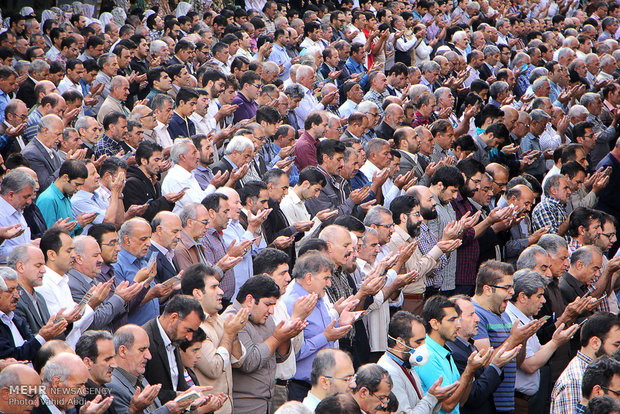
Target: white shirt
[
  {"x": 9, "y": 217},
  {"x": 309, "y": 43},
  {"x": 525, "y": 383},
  {"x": 204, "y": 124},
  {"x": 285, "y": 370},
  {"x": 18, "y": 339},
  {"x": 295, "y": 210},
  {"x": 169, "y": 254},
  {"x": 308, "y": 104},
  {"x": 347, "y": 108},
  {"x": 55, "y": 290},
  {"x": 390, "y": 191},
  {"x": 311, "y": 401},
  {"x": 172, "y": 360},
  {"x": 66, "y": 84},
  {"x": 161, "y": 135},
  {"x": 179, "y": 178}
]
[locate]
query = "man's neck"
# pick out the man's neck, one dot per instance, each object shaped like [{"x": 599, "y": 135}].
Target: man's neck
[
  {"x": 437, "y": 338},
  {"x": 589, "y": 352},
  {"x": 465, "y": 338},
  {"x": 53, "y": 267},
  {"x": 580, "y": 278},
  {"x": 26, "y": 285},
  {"x": 480, "y": 300},
  {"x": 318, "y": 392}
]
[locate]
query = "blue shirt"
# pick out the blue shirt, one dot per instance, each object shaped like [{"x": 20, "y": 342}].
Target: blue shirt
[
  {"x": 4, "y": 101},
  {"x": 9, "y": 217},
  {"x": 293, "y": 176},
  {"x": 244, "y": 269},
  {"x": 126, "y": 268},
  {"x": 354, "y": 68},
  {"x": 85, "y": 202},
  {"x": 497, "y": 329},
  {"x": 54, "y": 205},
  {"x": 280, "y": 57},
  {"x": 530, "y": 142},
  {"x": 314, "y": 339},
  {"x": 440, "y": 364}
]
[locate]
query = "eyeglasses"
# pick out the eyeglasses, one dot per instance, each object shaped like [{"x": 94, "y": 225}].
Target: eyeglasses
[
  {"x": 113, "y": 243},
  {"x": 616, "y": 393},
  {"x": 415, "y": 213},
  {"x": 382, "y": 398},
  {"x": 387, "y": 226},
  {"x": 257, "y": 86},
  {"x": 609, "y": 235},
  {"x": 502, "y": 287}
]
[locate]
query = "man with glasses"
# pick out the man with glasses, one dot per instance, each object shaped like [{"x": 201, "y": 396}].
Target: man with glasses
[
  {"x": 90, "y": 132},
  {"x": 373, "y": 385},
  {"x": 332, "y": 372},
  {"x": 601, "y": 377},
  {"x": 19, "y": 375},
  {"x": 494, "y": 288}
]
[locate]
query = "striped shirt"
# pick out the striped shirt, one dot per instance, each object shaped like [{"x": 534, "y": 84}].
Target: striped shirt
[
  {"x": 496, "y": 328},
  {"x": 445, "y": 214}
]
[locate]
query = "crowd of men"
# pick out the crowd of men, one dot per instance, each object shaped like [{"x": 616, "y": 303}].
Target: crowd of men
[{"x": 362, "y": 206}]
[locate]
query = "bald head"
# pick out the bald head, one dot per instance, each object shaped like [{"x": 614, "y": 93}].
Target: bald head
[
  {"x": 19, "y": 375},
  {"x": 166, "y": 228}
]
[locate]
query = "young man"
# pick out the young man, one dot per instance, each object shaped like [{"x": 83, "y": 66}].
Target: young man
[{"x": 180, "y": 124}]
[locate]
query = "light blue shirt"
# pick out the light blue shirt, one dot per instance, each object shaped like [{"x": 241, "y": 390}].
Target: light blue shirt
[
  {"x": 244, "y": 269},
  {"x": 355, "y": 67},
  {"x": 314, "y": 338},
  {"x": 440, "y": 364},
  {"x": 85, "y": 202},
  {"x": 126, "y": 268},
  {"x": 280, "y": 57},
  {"x": 4, "y": 101},
  {"x": 9, "y": 217}
]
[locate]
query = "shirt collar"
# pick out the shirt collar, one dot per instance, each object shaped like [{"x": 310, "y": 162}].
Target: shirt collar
[
  {"x": 294, "y": 197},
  {"x": 230, "y": 162},
  {"x": 133, "y": 380},
  {"x": 164, "y": 336},
  {"x": 55, "y": 277}
]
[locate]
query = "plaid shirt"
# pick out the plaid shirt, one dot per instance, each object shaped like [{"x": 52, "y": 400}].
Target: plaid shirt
[
  {"x": 377, "y": 98},
  {"x": 468, "y": 253},
  {"x": 107, "y": 146},
  {"x": 215, "y": 249},
  {"x": 550, "y": 212},
  {"x": 419, "y": 119},
  {"x": 445, "y": 214},
  {"x": 566, "y": 392},
  {"x": 341, "y": 288},
  {"x": 426, "y": 241}
]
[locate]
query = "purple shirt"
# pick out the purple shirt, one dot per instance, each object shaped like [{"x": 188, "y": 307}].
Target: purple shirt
[
  {"x": 246, "y": 108},
  {"x": 305, "y": 151}
]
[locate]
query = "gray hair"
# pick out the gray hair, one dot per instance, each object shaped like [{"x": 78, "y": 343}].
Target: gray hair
[
  {"x": 537, "y": 73},
  {"x": 38, "y": 66},
  {"x": 552, "y": 182},
  {"x": 294, "y": 90},
  {"x": 47, "y": 121},
  {"x": 293, "y": 407},
  {"x": 56, "y": 367},
  {"x": 304, "y": 70},
  {"x": 189, "y": 211},
  {"x": 312, "y": 262},
  {"x": 6, "y": 273},
  {"x": 105, "y": 59},
  {"x": 590, "y": 58},
  {"x": 374, "y": 145},
  {"x": 519, "y": 59},
  {"x": 270, "y": 67},
  {"x": 82, "y": 122},
  {"x": 369, "y": 230},
  {"x": 528, "y": 282},
  {"x": 564, "y": 52},
  {"x": 22, "y": 65},
  {"x": 429, "y": 66},
  {"x": 584, "y": 254},
  {"x": 538, "y": 115},
  {"x": 18, "y": 254},
  {"x": 606, "y": 60},
  {"x": 540, "y": 82},
  {"x": 527, "y": 258},
  {"x": 160, "y": 100},
  {"x": 157, "y": 46},
  {"x": 128, "y": 226},
  {"x": 375, "y": 215},
  {"x": 123, "y": 337},
  {"x": 117, "y": 82},
  {"x": 494, "y": 90},
  {"x": 9, "y": 376},
  {"x": 440, "y": 92},
  {"x": 577, "y": 110},
  {"x": 588, "y": 98},
  {"x": 80, "y": 242},
  {"x": 67, "y": 131},
  {"x": 239, "y": 144},
  {"x": 16, "y": 181},
  {"x": 552, "y": 243},
  {"x": 180, "y": 147},
  {"x": 459, "y": 35},
  {"x": 366, "y": 106},
  {"x": 490, "y": 50}
]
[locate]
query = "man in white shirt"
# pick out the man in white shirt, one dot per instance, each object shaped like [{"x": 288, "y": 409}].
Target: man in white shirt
[
  {"x": 16, "y": 193},
  {"x": 184, "y": 155},
  {"x": 378, "y": 154},
  {"x": 57, "y": 247},
  {"x": 309, "y": 186},
  {"x": 332, "y": 372},
  {"x": 75, "y": 72},
  {"x": 528, "y": 299},
  {"x": 17, "y": 341},
  {"x": 163, "y": 109}
]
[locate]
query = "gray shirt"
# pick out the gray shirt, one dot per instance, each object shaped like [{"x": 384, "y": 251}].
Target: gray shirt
[
  {"x": 254, "y": 379},
  {"x": 445, "y": 214}
]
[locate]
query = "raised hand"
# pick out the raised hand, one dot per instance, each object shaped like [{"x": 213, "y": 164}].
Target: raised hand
[
  {"x": 52, "y": 329},
  {"x": 303, "y": 306},
  {"x": 228, "y": 262},
  {"x": 333, "y": 333},
  {"x": 441, "y": 393},
  {"x": 504, "y": 356},
  {"x": 127, "y": 291},
  {"x": 326, "y": 214},
  {"x": 98, "y": 405},
  {"x": 562, "y": 336},
  {"x": 234, "y": 323},
  {"x": 10, "y": 232}
]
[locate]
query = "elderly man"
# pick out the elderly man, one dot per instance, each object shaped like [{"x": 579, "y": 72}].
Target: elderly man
[
  {"x": 119, "y": 91},
  {"x": 40, "y": 151},
  {"x": 18, "y": 375},
  {"x": 12, "y": 127},
  {"x": 129, "y": 387},
  {"x": 16, "y": 193},
  {"x": 113, "y": 140},
  {"x": 332, "y": 372},
  {"x": 393, "y": 119},
  {"x": 164, "y": 239},
  {"x": 82, "y": 278},
  {"x": 372, "y": 388},
  {"x": 17, "y": 341},
  {"x": 185, "y": 155},
  {"x": 63, "y": 380},
  {"x": 131, "y": 266},
  {"x": 551, "y": 211}
]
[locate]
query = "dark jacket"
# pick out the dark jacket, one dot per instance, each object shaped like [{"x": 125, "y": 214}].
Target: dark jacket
[
  {"x": 222, "y": 165},
  {"x": 158, "y": 368},
  {"x": 277, "y": 225},
  {"x": 178, "y": 127},
  {"x": 26, "y": 310},
  {"x": 139, "y": 189},
  {"x": 384, "y": 131},
  {"x": 41, "y": 162},
  {"x": 165, "y": 269},
  {"x": 26, "y": 93},
  {"x": 480, "y": 400},
  {"x": 36, "y": 222},
  {"x": 29, "y": 348}
]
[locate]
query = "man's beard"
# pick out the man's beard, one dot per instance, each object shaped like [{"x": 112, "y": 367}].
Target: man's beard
[
  {"x": 413, "y": 228},
  {"x": 428, "y": 213},
  {"x": 466, "y": 192}
]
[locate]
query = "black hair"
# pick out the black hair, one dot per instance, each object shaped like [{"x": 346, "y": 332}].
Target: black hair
[
  {"x": 259, "y": 286},
  {"x": 267, "y": 260}
]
